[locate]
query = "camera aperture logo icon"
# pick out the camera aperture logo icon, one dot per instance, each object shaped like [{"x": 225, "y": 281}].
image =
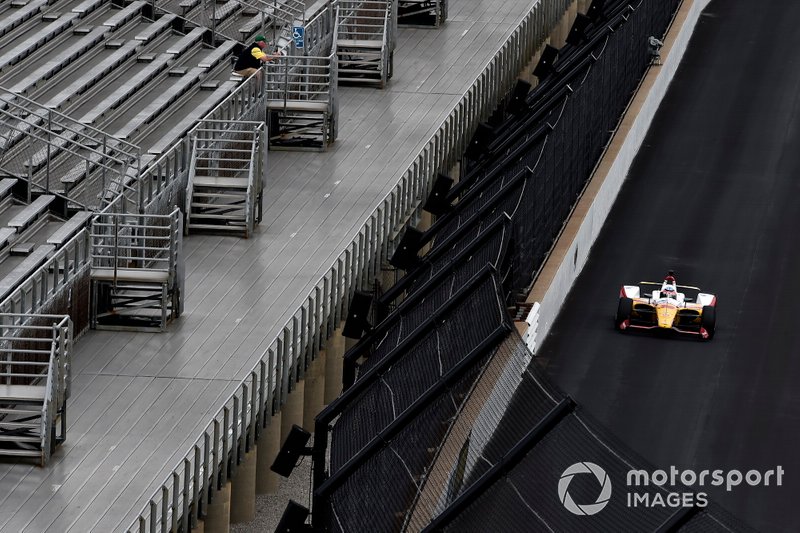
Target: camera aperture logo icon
[{"x": 588, "y": 508}]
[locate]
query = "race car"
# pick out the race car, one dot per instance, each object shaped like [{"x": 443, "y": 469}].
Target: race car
[{"x": 667, "y": 306}]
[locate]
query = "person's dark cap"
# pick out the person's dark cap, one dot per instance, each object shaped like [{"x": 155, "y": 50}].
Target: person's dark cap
[{"x": 260, "y": 38}]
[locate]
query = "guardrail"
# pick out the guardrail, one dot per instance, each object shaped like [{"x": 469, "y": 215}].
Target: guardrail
[
  {"x": 56, "y": 274},
  {"x": 219, "y": 147},
  {"x": 255, "y": 179},
  {"x": 282, "y": 15},
  {"x": 133, "y": 241},
  {"x": 25, "y": 340},
  {"x": 301, "y": 78},
  {"x": 245, "y": 413},
  {"x": 319, "y": 31},
  {"x": 59, "y": 155}
]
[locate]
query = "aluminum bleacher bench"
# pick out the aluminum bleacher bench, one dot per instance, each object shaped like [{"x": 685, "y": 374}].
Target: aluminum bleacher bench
[
  {"x": 23, "y": 270},
  {"x": 31, "y": 213},
  {"x": 24, "y": 11},
  {"x": 34, "y": 42},
  {"x": 69, "y": 228},
  {"x": 248, "y": 28},
  {"x": 87, "y": 6},
  {"x": 141, "y": 78},
  {"x": 188, "y": 5},
  {"x": 159, "y": 104},
  {"x": 6, "y": 234},
  {"x": 133, "y": 84},
  {"x": 114, "y": 60},
  {"x": 189, "y": 40},
  {"x": 6, "y": 186},
  {"x": 226, "y": 10},
  {"x": 100, "y": 70},
  {"x": 65, "y": 57},
  {"x": 200, "y": 110},
  {"x": 164, "y": 23},
  {"x": 125, "y": 14},
  {"x": 217, "y": 55}
]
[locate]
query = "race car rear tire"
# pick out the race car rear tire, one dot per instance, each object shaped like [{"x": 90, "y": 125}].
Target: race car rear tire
[
  {"x": 624, "y": 310},
  {"x": 709, "y": 320}
]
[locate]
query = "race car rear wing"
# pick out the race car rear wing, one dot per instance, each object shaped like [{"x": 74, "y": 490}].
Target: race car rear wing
[{"x": 658, "y": 284}]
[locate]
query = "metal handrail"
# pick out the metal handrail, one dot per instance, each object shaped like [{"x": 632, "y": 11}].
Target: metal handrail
[
  {"x": 165, "y": 174},
  {"x": 253, "y": 188},
  {"x": 57, "y": 379},
  {"x": 62, "y": 137},
  {"x": 56, "y": 274},
  {"x": 299, "y": 78},
  {"x": 126, "y": 245},
  {"x": 187, "y": 201}
]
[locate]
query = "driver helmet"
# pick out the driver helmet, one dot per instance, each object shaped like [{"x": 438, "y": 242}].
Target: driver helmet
[{"x": 669, "y": 291}]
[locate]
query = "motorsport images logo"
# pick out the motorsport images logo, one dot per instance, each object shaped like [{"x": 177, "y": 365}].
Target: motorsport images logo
[
  {"x": 670, "y": 488},
  {"x": 587, "y": 508}
]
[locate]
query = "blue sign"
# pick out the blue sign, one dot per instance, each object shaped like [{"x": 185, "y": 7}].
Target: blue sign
[{"x": 299, "y": 36}]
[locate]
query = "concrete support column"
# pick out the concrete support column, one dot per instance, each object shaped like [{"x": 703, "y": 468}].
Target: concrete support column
[
  {"x": 292, "y": 410},
  {"x": 270, "y": 444},
  {"x": 349, "y": 343},
  {"x": 243, "y": 489},
  {"x": 455, "y": 172},
  {"x": 315, "y": 391},
  {"x": 218, "y": 517},
  {"x": 200, "y": 527},
  {"x": 573, "y": 14},
  {"x": 334, "y": 349},
  {"x": 425, "y": 221},
  {"x": 568, "y": 19},
  {"x": 557, "y": 35},
  {"x": 388, "y": 276}
]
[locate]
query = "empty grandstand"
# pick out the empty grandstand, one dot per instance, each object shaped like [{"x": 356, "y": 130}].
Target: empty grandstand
[
  {"x": 91, "y": 92},
  {"x": 114, "y": 112}
]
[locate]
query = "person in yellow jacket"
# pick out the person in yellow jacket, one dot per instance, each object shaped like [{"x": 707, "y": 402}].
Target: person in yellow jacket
[{"x": 251, "y": 57}]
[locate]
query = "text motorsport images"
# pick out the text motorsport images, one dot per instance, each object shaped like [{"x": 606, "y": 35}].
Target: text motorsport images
[{"x": 669, "y": 483}]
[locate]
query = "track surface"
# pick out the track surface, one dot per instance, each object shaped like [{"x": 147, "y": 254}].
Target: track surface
[{"x": 713, "y": 194}]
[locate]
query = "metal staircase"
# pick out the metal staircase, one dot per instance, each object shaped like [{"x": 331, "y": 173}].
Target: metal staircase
[
  {"x": 302, "y": 107},
  {"x": 35, "y": 353},
  {"x": 366, "y": 40},
  {"x": 225, "y": 185},
  {"x": 137, "y": 274},
  {"x": 301, "y": 102}
]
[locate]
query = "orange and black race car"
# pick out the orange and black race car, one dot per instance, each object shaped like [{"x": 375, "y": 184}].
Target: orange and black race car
[{"x": 667, "y": 306}]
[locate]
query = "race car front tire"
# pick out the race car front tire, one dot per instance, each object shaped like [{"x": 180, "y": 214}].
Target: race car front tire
[
  {"x": 624, "y": 310},
  {"x": 709, "y": 320}
]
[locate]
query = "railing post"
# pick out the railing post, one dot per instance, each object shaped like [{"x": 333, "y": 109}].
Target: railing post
[
  {"x": 49, "y": 143},
  {"x": 103, "y": 173}
]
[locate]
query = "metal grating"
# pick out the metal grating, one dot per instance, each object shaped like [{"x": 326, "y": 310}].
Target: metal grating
[{"x": 399, "y": 377}]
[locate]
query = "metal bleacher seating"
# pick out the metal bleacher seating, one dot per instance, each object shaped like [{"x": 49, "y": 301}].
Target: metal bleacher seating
[{"x": 130, "y": 80}]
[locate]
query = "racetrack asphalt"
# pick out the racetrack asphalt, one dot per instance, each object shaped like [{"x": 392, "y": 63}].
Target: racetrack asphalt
[{"x": 713, "y": 194}]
